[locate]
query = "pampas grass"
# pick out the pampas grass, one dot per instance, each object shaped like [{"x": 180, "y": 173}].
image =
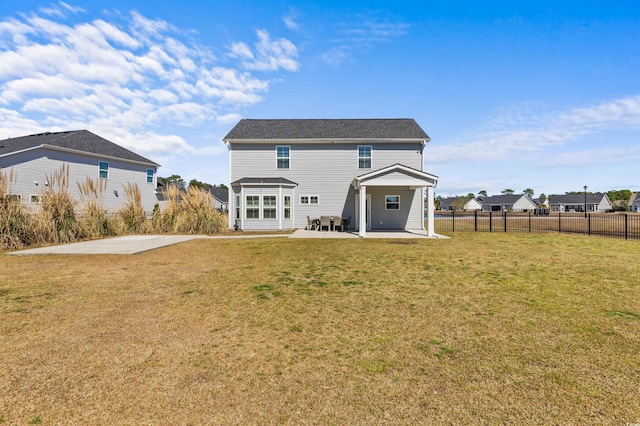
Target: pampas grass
[
  {"x": 95, "y": 222},
  {"x": 56, "y": 222},
  {"x": 15, "y": 223}
]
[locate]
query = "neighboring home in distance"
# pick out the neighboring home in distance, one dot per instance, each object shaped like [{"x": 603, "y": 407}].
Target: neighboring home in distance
[
  {"x": 220, "y": 197},
  {"x": 634, "y": 202},
  {"x": 598, "y": 202},
  {"x": 460, "y": 203},
  {"x": 504, "y": 203},
  {"x": 541, "y": 201},
  {"x": 33, "y": 158},
  {"x": 283, "y": 172}
]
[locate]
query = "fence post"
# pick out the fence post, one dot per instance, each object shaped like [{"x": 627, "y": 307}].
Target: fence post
[
  {"x": 559, "y": 222},
  {"x": 504, "y": 217},
  {"x": 453, "y": 221},
  {"x": 626, "y": 226},
  {"x": 589, "y": 224},
  {"x": 475, "y": 220},
  {"x": 490, "y": 220}
]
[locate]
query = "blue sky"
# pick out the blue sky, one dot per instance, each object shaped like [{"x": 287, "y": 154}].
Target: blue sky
[{"x": 520, "y": 94}]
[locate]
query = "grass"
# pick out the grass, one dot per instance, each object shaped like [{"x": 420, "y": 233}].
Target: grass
[{"x": 482, "y": 328}]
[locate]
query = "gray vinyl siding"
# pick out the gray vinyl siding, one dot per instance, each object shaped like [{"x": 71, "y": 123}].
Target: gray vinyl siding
[
  {"x": 326, "y": 170},
  {"x": 409, "y": 216},
  {"x": 35, "y": 165}
]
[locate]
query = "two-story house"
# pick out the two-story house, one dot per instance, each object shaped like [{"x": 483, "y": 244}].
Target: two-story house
[
  {"x": 283, "y": 172},
  {"x": 33, "y": 158}
]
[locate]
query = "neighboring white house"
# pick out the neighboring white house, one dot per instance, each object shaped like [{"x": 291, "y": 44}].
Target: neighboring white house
[
  {"x": 598, "y": 202},
  {"x": 33, "y": 158},
  {"x": 284, "y": 172},
  {"x": 462, "y": 203},
  {"x": 220, "y": 197},
  {"x": 634, "y": 202},
  {"x": 503, "y": 203}
]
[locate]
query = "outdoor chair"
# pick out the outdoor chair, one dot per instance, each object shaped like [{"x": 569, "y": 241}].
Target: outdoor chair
[
  {"x": 311, "y": 224},
  {"x": 325, "y": 221},
  {"x": 337, "y": 223}
]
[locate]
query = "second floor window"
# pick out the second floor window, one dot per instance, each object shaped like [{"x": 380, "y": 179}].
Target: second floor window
[
  {"x": 104, "y": 170},
  {"x": 283, "y": 154},
  {"x": 364, "y": 156},
  {"x": 149, "y": 175}
]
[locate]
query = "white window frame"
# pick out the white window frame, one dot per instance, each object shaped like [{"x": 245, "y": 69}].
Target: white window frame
[
  {"x": 288, "y": 157},
  {"x": 246, "y": 207},
  {"x": 308, "y": 200},
  {"x": 37, "y": 197},
  {"x": 364, "y": 158},
  {"x": 152, "y": 175},
  {"x": 264, "y": 207},
  {"x": 100, "y": 170},
  {"x": 286, "y": 208},
  {"x": 387, "y": 202}
]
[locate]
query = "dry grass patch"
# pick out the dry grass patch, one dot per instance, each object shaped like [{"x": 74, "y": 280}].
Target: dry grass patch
[{"x": 482, "y": 328}]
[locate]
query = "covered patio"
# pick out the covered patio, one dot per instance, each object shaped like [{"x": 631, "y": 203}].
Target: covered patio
[{"x": 395, "y": 211}]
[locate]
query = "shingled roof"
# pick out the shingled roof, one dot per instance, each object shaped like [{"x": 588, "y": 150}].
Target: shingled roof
[
  {"x": 324, "y": 129},
  {"x": 77, "y": 140}
]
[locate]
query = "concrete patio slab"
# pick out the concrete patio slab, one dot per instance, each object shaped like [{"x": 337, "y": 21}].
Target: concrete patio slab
[
  {"x": 129, "y": 244},
  {"x": 409, "y": 233}
]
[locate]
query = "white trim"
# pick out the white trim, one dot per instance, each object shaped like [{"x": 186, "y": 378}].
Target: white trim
[
  {"x": 386, "y": 203},
  {"x": 263, "y": 207},
  {"x": 362, "y": 141},
  {"x": 309, "y": 203},
  {"x": 370, "y": 157},
  {"x": 288, "y": 158},
  {"x": 397, "y": 167},
  {"x": 37, "y": 196},
  {"x": 100, "y": 169},
  {"x": 252, "y": 208}
]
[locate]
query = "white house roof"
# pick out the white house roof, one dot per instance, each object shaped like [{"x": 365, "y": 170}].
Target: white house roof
[
  {"x": 327, "y": 129},
  {"x": 82, "y": 141}
]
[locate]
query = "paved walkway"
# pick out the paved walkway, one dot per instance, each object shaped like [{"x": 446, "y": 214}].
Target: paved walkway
[
  {"x": 133, "y": 244},
  {"x": 129, "y": 244}
]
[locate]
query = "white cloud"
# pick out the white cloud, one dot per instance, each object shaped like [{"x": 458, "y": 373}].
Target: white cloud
[
  {"x": 515, "y": 134},
  {"x": 269, "y": 55},
  {"x": 291, "y": 20},
  {"x": 126, "y": 77},
  {"x": 360, "y": 33}
]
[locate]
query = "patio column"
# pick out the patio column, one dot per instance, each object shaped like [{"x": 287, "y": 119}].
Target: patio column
[
  {"x": 430, "y": 212},
  {"x": 362, "y": 231}
]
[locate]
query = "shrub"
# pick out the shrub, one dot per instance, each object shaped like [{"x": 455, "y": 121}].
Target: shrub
[
  {"x": 95, "y": 222},
  {"x": 197, "y": 214},
  {"x": 132, "y": 217},
  {"x": 15, "y": 223},
  {"x": 56, "y": 222},
  {"x": 189, "y": 212}
]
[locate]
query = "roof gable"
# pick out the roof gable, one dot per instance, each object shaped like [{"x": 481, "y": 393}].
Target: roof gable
[
  {"x": 76, "y": 140},
  {"x": 326, "y": 129}
]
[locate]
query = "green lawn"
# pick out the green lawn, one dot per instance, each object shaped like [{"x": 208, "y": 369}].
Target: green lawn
[{"x": 480, "y": 329}]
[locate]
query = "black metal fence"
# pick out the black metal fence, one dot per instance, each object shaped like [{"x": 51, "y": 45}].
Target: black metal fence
[{"x": 612, "y": 225}]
